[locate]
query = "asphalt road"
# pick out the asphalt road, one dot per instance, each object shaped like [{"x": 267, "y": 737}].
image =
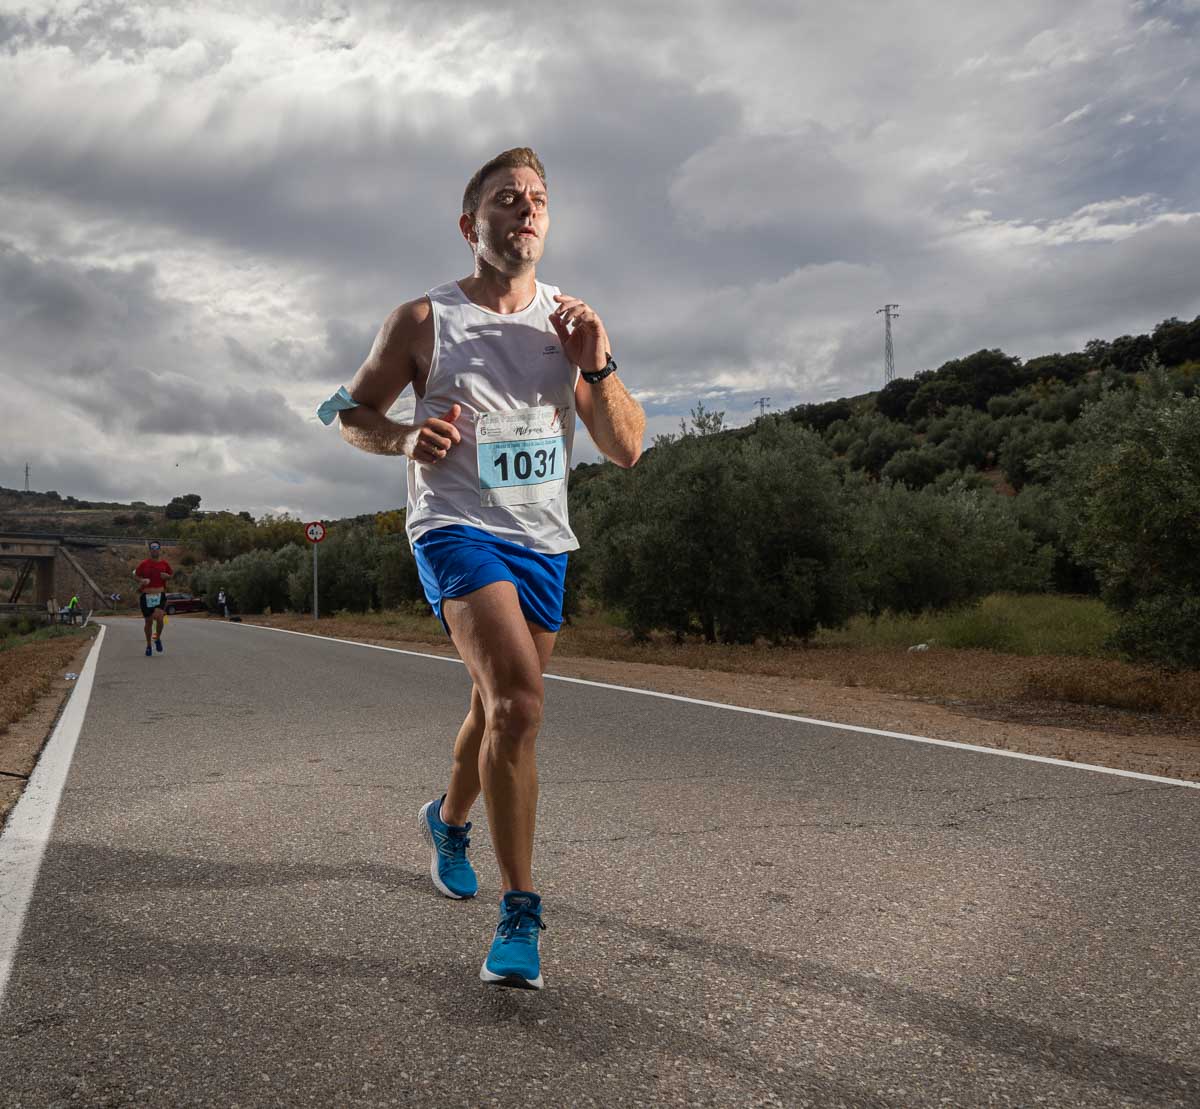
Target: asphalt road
[{"x": 235, "y": 907}]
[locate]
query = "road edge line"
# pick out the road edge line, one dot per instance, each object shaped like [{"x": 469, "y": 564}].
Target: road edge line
[
  {"x": 859, "y": 728},
  {"x": 26, "y": 835}
]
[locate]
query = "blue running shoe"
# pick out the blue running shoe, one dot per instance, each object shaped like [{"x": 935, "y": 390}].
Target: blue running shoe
[
  {"x": 158, "y": 644},
  {"x": 514, "y": 959},
  {"x": 149, "y": 652},
  {"x": 449, "y": 867}
]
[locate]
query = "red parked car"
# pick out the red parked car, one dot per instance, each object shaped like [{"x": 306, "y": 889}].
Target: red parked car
[{"x": 182, "y": 602}]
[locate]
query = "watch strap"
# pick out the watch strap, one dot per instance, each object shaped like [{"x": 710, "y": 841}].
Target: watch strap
[{"x": 594, "y": 377}]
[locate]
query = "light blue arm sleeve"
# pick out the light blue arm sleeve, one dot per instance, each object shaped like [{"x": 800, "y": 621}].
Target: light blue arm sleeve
[{"x": 339, "y": 402}]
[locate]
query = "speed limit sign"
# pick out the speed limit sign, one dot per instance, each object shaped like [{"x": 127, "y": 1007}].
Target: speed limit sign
[{"x": 314, "y": 533}]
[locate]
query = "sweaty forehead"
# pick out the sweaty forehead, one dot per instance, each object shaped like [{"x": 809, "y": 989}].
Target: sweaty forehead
[{"x": 518, "y": 180}]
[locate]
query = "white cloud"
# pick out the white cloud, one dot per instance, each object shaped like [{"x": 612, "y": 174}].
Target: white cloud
[
  {"x": 1107, "y": 221},
  {"x": 1077, "y": 114}
]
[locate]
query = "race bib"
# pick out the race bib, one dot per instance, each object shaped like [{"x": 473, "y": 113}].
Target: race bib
[
  {"x": 153, "y": 600},
  {"x": 522, "y": 455}
]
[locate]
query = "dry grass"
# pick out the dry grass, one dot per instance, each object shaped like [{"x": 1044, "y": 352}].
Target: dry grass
[
  {"x": 1116, "y": 685},
  {"x": 27, "y": 672}
]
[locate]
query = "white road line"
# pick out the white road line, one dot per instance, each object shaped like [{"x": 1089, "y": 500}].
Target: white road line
[
  {"x": 25, "y": 836},
  {"x": 777, "y": 715}
]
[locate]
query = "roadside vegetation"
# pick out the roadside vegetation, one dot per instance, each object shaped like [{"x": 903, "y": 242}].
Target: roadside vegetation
[
  {"x": 22, "y": 630},
  {"x": 1027, "y": 624}
]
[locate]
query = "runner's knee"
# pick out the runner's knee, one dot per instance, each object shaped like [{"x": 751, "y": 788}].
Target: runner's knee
[{"x": 516, "y": 716}]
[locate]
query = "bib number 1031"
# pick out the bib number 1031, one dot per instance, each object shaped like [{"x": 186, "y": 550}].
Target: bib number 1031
[
  {"x": 522, "y": 455},
  {"x": 521, "y": 471},
  {"x": 525, "y": 464}
]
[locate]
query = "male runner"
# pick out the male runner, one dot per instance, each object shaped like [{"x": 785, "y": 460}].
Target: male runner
[
  {"x": 500, "y": 364},
  {"x": 152, "y": 574}
]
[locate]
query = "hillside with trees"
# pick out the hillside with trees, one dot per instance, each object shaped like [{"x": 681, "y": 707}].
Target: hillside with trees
[{"x": 1071, "y": 472}]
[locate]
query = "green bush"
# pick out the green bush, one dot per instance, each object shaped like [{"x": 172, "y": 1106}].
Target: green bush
[
  {"x": 358, "y": 570},
  {"x": 399, "y": 584},
  {"x": 12, "y": 627},
  {"x": 1053, "y": 520},
  {"x": 921, "y": 550},
  {"x": 1163, "y": 629},
  {"x": 253, "y": 582},
  {"x": 734, "y": 539},
  {"x": 877, "y": 441},
  {"x": 918, "y": 466},
  {"x": 1134, "y": 476}
]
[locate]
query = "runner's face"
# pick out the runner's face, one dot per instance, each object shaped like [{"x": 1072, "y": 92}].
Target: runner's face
[{"x": 509, "y": 230}]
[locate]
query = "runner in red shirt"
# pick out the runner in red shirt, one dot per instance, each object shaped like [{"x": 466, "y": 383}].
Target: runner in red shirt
[{"x": 152, "y": 574}]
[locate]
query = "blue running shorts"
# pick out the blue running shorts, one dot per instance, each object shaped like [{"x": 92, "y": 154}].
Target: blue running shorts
[{"x": 457, "y": 560}]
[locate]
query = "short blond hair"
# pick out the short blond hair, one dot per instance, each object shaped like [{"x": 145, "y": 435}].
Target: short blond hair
[{"x": 510, "y": 159}]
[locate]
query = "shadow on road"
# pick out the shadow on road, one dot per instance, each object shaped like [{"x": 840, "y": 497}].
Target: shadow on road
[{"x": 577, "y": 1017}]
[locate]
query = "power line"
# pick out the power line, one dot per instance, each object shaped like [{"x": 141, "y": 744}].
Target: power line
[
  {"x": 889, "y": 361},
  {"x": 762, "y": 403}
]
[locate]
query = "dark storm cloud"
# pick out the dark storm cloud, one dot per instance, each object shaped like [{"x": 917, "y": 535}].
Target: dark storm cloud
[
  {"x": 346, "y": 347},
  {"x": 101, "y": 340},
  {"x": 123, "y": 396},
  {"x": 47, "y": 298}
]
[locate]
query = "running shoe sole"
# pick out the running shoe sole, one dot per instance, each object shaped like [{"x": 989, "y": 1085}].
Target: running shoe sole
[
  {"x": 427, "y": 833},
  {"x": 514, "y": 981}
]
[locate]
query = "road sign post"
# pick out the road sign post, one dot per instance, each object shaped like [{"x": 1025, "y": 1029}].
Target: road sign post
[{"x": 314, "y": 533}]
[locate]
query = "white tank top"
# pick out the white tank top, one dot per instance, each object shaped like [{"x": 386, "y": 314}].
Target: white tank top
[{"x": 508, "y": 476}]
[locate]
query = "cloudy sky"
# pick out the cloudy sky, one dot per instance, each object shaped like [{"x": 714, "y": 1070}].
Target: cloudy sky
[{"x": 206, "y": 210}]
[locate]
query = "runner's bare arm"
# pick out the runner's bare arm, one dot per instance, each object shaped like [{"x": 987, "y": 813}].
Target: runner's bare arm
[
  {"x": 613, "y": 418},
  {"x": 393, "y": 364}
]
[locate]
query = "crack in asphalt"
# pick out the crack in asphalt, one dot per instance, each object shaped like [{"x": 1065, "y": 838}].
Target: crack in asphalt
[{"x": 1060, "y": 798}]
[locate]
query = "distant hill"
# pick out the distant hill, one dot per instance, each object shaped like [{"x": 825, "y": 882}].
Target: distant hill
[{"x": 51, "y": 512}]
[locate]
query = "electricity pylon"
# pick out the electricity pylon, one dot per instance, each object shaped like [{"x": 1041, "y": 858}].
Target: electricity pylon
[{"x": 889, "y": 361}]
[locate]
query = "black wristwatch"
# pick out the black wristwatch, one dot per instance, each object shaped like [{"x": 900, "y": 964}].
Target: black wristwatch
[{"x": 596, "y": 376}]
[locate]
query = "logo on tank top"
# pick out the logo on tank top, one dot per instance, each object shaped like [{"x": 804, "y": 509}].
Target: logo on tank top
[{"x": 551, "y": 349}]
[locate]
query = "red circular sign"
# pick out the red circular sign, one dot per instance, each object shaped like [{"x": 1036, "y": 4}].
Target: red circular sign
[{"x": 314, "y": 532}]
